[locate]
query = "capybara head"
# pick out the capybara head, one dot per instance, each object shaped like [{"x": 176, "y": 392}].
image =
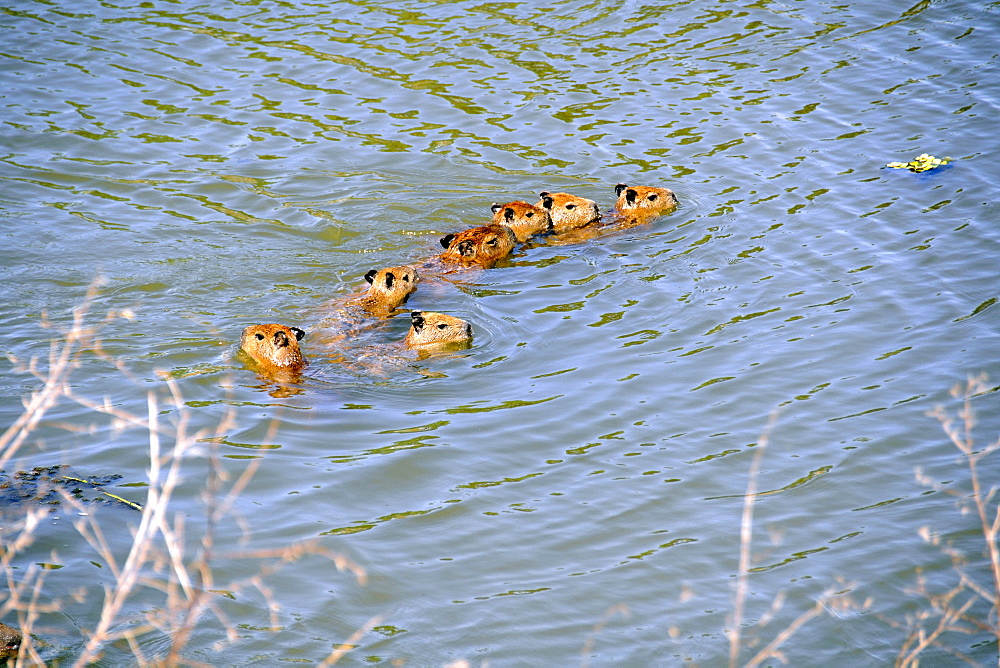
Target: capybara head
[
  {"x": 569, "y": 212},
  {"x": 10, "y": 642},
  {"x": 646, "y": 199},
  {"x": 390, "y": 288},
  {"x": 525, "y": 219},
  {"x": 274, "y": 346},
  {"x": 428, "y": 328},
  {"x": 483, "y": 246}
]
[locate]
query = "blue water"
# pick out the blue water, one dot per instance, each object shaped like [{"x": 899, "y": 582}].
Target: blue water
[{"x": 570, "y": 489}]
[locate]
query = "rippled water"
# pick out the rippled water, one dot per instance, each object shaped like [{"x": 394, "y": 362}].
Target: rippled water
[{"x": 570, "y": 488}]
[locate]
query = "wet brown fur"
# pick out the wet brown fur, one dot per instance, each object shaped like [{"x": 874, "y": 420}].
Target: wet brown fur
[
  {"x": 274, "y": 347},
  {"x": 482, "y": 246},
  {"x": 428, "y": 328},
  {"x": 569, "y": 212},
  {"x": 525, "y": 219},
  {"x": 642, "y": 203},
  {"x": 389, "y": 289}
]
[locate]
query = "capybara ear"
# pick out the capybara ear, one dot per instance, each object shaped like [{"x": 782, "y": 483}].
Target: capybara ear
[
  {"x": 370, "y": 276},
  {"x": 299, "y": 333},
  {"x": 546, "y": 200},
  {"x": 495, "y": 207},
  {"x": 508, "y": 213},
  {"x": 280, "y": 339},
  {"x": 446, "y": 239},
  {"x": 389, "y": 278},
  {"x": 417, "y": 318},
  {"x": 619, "y": 188},
  {"x": 467, "y": 247},
  {"x": 630, "y": 195}
]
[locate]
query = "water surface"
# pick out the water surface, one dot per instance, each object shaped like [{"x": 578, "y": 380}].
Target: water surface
[{"x": 570, "y": 488}]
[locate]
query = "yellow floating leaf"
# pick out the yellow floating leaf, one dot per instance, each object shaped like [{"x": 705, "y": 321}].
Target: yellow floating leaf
[{"x": 922, "y": 163}]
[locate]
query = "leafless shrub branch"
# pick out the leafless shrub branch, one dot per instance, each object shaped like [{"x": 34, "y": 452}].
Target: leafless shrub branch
[
  {"x": 160, "y": 558},
  {"x": 949, "y": 612}
]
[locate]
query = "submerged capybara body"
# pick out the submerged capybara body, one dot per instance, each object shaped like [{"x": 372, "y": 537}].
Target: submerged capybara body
[
  {"x": 430, "y": 329},
  {"x": 526, "y": 220},
  {"x": 569, "y": 212},
  {"x": 642, "y": 203},
  {"x": 274, "y": 347},
  {"x": 482, "y": 246},
  {"x": 388, "y": 289},
  {"x": 10, "y": 642}
]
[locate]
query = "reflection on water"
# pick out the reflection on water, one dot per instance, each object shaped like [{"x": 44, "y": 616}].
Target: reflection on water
[{"x": 588, "y": 454}]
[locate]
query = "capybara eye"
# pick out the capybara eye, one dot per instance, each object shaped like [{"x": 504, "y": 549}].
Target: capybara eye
[
  {"x": 529, "y": 214},
  {"x": 260, "y": 337},
  {"x": 652, "y": 198},
  {"x": 442, "y": 326},
  {"x": 570, "y": 206}
]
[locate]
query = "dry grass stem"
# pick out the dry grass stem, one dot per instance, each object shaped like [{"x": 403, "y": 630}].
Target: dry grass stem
[
  {"x": 746, "y": 540},
  {"x": 619, "y": 609},
  {"x": 343, "y": 648},
  {"x": 821, "y": 606}
]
